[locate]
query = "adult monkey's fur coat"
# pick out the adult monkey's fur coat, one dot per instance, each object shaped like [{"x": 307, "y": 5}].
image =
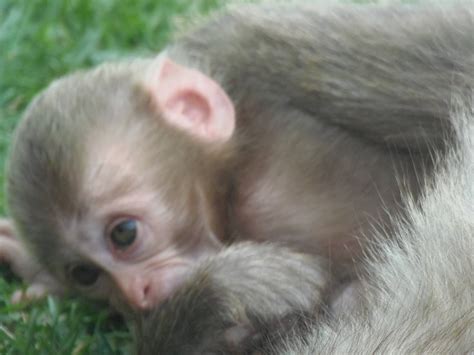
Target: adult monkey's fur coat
[{"x": 418, "y": 297}]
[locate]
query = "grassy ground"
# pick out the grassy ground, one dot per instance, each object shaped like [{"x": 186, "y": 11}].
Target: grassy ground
[{"x": 41, "y": 40}]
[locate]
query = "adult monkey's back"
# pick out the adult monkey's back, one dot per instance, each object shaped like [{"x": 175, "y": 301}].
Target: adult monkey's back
[
  {"x": 356, "y": 67},
  {"x": 271, "y": 122}
]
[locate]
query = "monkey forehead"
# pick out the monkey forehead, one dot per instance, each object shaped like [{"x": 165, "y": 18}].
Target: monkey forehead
[
  {"x": 115, "y": 168},
  {"x": 110, "y": 165},
  {"x": 99, "y": 99},
  {"x": 118, "y": 180},
  {"x": 109, "y": 191}
]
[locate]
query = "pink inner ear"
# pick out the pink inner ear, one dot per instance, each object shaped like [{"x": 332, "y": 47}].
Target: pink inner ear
[
  {"x": 191, "y": 106},
  {"x": 192, "y": 101}
]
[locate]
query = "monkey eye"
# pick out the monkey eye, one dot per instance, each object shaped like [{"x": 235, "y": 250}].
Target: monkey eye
[
  {"x": 124, "y": 234},
  {"x": 84, "y": 275}
]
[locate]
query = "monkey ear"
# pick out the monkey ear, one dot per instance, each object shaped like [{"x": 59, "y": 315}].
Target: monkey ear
[{"x": 193, "y": 102}]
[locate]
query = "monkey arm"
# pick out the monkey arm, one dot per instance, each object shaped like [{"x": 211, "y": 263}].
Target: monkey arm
[
  {"x": 228, "y": 304},
  {"x": 23, "y": 264}
]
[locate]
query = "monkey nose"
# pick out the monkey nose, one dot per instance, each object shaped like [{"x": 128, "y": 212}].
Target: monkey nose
[{"x": 136, "y": 291}]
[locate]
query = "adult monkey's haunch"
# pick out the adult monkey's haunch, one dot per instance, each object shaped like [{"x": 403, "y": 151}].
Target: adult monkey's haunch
[{"x": 288, "y": 123}]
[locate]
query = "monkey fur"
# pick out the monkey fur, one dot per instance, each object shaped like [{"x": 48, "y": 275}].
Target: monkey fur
[
  {"x": 337, "y": 112},
  {"x": 416, "y": 295}
]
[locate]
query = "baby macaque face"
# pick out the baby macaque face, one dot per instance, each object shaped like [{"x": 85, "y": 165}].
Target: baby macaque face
[{"x": 125, "y": 195}]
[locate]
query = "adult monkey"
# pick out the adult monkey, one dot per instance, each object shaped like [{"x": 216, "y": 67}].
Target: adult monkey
[{"x": 296, "y": 124}]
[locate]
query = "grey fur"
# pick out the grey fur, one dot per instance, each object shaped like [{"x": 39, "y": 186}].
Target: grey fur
[
  {"x": 416, "y": 297},
  {"x": 384, "y": 72}
]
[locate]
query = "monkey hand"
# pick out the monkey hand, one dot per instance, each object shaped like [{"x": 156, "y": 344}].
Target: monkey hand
[
  {"x": 14, "y": 253},
  {"x": 234, "y": 301}
]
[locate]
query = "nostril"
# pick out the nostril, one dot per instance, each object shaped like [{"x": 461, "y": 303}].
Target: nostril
[
  {"x": 146, "y": 291},
  {"x": 145, "y": 295}
]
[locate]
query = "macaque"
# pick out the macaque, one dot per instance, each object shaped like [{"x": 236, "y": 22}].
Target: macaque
[
  {"x": 294, "y": 124},
  {"x": 416, "y": 295}
]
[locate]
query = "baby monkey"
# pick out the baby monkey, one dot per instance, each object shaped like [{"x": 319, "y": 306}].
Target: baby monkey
[{"x": 290, "y": 123}]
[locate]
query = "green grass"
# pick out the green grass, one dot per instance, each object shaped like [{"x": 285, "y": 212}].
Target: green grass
[{"x": 39, "y": 41}]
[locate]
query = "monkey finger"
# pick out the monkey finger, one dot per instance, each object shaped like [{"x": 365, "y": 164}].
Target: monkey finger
[
  {"x": 6, "y": 228},
  {"x": 34, "y": 292},
  {"x": 8, "y": 249},
  {"x": 13, "y": 253},
  {"x": 17, "y": 296},
  {"x": 24, "y": 266}
]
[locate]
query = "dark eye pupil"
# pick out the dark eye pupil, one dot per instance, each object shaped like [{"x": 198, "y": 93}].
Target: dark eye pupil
[
  {"x": 85, "y": 275},
  {"x": 124, "y": 234}
]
